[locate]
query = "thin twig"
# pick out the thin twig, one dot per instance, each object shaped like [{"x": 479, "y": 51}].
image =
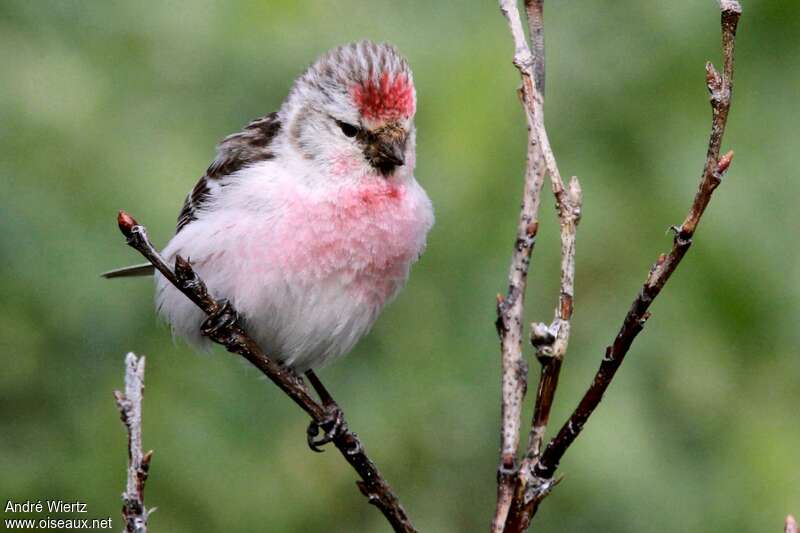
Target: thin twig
[
  {"x": 569, "y": 202},
  {"x": 129, "y": 403},
  {"x": 550, "y": 341},
  {"x": 223, "y": 327},
  {"x": 719, "y": 87},
  {"x": 510, "y": 308},
  {"x": 535, "y": 15}
]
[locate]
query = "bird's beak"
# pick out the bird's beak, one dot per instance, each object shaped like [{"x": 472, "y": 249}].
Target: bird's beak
[
  {"x": 393, "y": 152},
  {"x": 386, "y": 149}
]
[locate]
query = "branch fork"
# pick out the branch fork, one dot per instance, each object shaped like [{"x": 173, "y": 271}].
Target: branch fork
[{"x": 522, "y": 488}]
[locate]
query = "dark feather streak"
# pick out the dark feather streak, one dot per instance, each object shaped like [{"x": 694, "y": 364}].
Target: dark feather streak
[{"x": 236, "y": 151}]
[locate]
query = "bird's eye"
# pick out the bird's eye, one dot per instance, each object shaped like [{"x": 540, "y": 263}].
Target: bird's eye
[{"x": 348, "y": 129}]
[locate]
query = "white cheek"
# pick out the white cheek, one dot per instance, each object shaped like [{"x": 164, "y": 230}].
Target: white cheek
[
  {"x": 343, "y": 163},
  {"x": 346, "y": 162}
]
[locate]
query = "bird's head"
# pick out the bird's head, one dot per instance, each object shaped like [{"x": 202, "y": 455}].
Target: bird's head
[{"x": 351, "y": 113}]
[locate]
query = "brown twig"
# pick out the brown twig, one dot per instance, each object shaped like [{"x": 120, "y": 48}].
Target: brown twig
[
  {"x": 719, "y": 87},
  {"x": 569, "y": 202},
  {"x": 535, "y": 15},
  {"x": 129, "y": 403},
  {"x": 510, "y": 308},
  {"x": 551, "y": 341},
  {"x": 535, "y": 477},
  {"x": 223, "y": 327}
]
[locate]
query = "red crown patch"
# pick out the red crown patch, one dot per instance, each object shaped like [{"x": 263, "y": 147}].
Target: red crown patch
[{"x": 388, "y": 99}]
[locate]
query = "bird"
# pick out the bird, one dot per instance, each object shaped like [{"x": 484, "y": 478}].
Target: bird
[{"x": 309, "y": 219}]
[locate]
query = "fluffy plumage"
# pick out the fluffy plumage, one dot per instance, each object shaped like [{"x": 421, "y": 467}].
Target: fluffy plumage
[{"x": 310, "y": 218}]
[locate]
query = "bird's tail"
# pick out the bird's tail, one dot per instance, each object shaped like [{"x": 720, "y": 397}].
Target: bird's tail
[{"x": 145, "y": 269}]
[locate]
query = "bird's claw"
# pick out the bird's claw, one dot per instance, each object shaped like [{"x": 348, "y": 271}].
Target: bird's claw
[
  {"x": 331, "y": 426},
  {"x": 220, "y": 320}
]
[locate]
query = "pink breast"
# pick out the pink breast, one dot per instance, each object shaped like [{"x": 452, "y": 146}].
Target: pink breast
[{"x": 364, "y": 236}]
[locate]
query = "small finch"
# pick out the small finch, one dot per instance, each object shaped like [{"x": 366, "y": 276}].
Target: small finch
[{"x": 309, "y": 219}]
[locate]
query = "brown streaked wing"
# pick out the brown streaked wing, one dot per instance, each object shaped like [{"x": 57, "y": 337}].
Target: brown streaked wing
[{"x": 236, "y": 151}]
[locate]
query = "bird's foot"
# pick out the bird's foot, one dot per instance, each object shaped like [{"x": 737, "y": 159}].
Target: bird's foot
[
  {"x": 218, "y": 324},
  {"x": 331, "y": 425}
]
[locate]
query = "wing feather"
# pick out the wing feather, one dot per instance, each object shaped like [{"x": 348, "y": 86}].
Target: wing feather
[{"x": 234, "y": 152}]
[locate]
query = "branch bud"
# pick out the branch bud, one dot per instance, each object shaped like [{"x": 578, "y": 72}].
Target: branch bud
[
  {"x": 724, "y": 162},
  {"x": 575, "y": 197},
  {"x": 542, "y": 339},
  {"x": 713, "y": 79},
  {"x": 126, "y": 223}
]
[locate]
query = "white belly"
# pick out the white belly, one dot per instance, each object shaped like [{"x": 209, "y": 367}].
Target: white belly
[{"x": 309, "y": 277}]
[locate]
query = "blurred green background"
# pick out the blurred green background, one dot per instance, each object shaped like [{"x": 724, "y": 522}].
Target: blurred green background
[{"x": 109, "y": 105}]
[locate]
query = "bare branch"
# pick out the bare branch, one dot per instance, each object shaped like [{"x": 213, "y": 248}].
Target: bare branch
[
  {"x": 510, "y": 308},
  {"x": 223, "y": 327},
  {"x": 551, "y": 341},
  {"x": 535, "y": 477},
  {"x": 535, "y": 16},
  {"x": 569, "y": 202},
  {"x": 720, "y": 90},
  {"x": 129, "y": 404}
]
